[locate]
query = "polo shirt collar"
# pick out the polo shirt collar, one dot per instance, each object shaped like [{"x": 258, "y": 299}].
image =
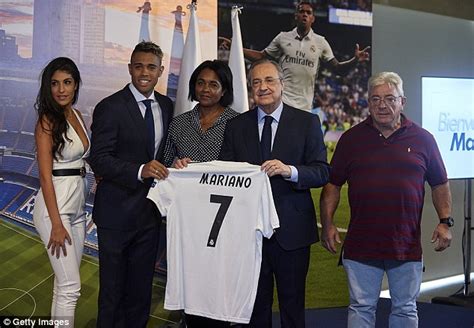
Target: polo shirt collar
[{"x": 307, "y": 37}]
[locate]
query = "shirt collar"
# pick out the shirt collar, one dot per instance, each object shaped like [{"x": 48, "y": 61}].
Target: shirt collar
[
  {"x": 276, "y": 113},
  {"x": 138, "y": 95},
  {"x": 306, "y": 37}
]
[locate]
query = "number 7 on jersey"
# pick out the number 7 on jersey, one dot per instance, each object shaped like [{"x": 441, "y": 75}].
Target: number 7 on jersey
[{"x": 216, "y": 226}]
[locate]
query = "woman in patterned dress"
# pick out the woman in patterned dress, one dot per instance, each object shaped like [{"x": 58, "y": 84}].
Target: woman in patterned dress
[{"x": 197, "y": 135}]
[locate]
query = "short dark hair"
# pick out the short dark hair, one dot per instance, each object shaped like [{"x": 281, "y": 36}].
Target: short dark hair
[
  {"x": 299, "y": 4},
  {"x": 224, "y": 74},
  {"x": 150, "y": 47}
]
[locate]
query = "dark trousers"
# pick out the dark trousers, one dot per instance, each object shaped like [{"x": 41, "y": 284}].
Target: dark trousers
[
  {"x": 194, "y": 321},
  {"x": 126, "y": 268},
  {"x": 289, "y": 268}
]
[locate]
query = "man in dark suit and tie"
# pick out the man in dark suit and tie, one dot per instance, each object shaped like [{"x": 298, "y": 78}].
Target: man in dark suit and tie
[
  {"x": 127, "y": 132},
  {"x": 288, "y": 144}
]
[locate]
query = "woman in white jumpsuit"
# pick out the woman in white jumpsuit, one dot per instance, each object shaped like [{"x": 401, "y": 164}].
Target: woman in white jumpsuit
[{"x": 59, "y": 213}]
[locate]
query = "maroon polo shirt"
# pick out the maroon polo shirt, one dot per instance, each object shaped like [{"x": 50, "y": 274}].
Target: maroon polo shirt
[{"x": 386, "y": 179}]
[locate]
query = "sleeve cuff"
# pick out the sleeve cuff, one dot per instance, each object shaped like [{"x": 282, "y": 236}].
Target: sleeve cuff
[
  {"x": 139, "y": 177},
  {"x": 294, "y": 174}
]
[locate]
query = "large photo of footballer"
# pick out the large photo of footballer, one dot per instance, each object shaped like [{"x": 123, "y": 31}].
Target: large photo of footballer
[{"x": 323, "y": 48}]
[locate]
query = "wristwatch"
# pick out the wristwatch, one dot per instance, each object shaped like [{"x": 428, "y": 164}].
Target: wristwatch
[{"x": 448, "y": 221}]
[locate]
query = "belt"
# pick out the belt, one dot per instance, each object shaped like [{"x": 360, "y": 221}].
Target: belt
[{"x": 70, "y": 172}]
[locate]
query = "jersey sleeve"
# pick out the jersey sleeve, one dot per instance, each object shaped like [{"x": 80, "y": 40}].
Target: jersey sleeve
[
  {"x": 327, "y": 53},
  {"x": 274, "y": 49},
  {"x": 162, "y": 194},
  {"x": 268, "y": 218}
]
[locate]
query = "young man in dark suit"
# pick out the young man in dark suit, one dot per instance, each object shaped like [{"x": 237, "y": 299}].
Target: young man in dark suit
[
  {"x": 288, "y": 144},
  {"x": 128, "y": 133}
]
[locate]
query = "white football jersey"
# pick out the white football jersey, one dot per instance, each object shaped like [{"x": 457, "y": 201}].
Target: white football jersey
[
  {"x": 217, "y": 214},
  {"x": 299, "y": 60}
]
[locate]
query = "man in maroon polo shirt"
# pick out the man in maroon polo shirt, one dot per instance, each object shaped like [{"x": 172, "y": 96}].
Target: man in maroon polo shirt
[{"x": 385, "y": 160}]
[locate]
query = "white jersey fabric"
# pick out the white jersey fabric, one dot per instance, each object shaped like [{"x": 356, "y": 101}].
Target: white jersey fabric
[
  {"x": 299, "y": 60},
  {"x": 217, "y": 214}
]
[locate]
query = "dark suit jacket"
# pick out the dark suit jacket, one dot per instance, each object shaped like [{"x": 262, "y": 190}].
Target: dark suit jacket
[
  {"x": 118, "y": 148},
  {"x": 298, "y": 142}
]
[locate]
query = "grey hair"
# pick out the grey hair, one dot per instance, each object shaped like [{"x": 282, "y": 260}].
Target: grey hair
[
  {"x": 261, "y": 62},
  {"x": 390, "y": 78}
]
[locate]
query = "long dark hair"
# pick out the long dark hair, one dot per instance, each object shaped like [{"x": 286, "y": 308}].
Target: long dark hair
[{"x": 48, "y": 109}]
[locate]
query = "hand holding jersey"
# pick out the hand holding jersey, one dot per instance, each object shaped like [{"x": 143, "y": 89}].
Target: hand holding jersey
[
  {"x": 276, "y": 167},
  {"x": 217, "y": 215}
]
